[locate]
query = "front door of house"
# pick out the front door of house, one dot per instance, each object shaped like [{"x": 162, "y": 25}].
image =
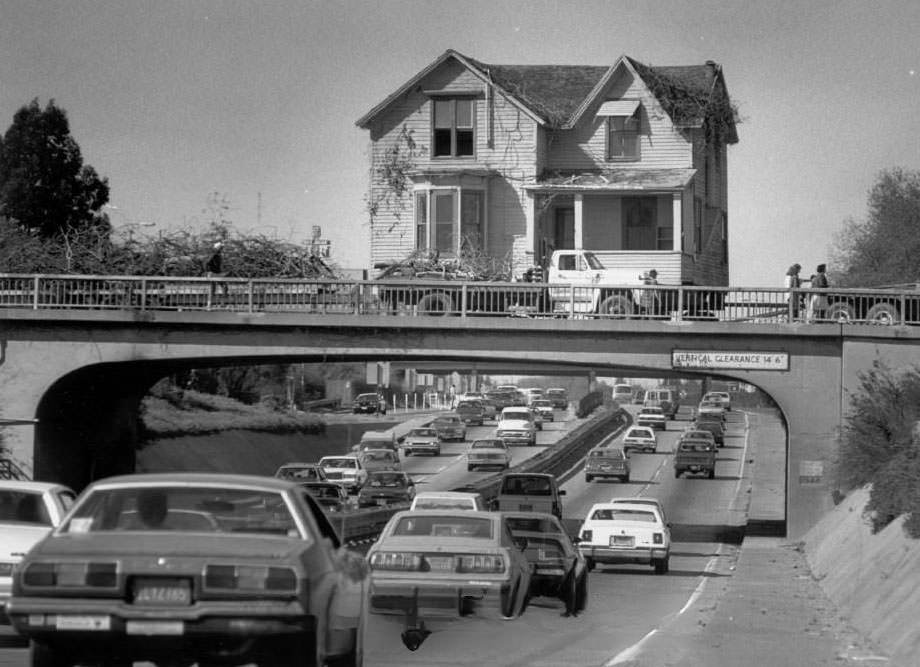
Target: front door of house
[{"x": 564, "y": 229}]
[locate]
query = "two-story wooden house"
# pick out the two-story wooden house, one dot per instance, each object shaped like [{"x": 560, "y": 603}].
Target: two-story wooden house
[{"x": 626, "y": 160}]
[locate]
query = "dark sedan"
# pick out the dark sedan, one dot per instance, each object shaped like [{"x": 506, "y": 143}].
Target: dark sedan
[{"x": 385, "y": 488}]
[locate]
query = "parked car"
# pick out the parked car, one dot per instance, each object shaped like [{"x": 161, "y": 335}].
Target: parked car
[
  {"x": 345, "y": 470},
  {"x": 28, "y": 512},
  {"x": 379, "y": 459},
  {"x": 449, "y": 427},
  {"x": 385, "y": 488},
  {"x": 422, "y": 440},
  {"x": 471, "y": 412},
  {"x": 369, "y": 403},
  {"x": 530, "y": 492},
  {"x": 544, "y": 407},
  {"x": 488, "y": 453},
  {"x": 607, "y": 462},
  {"x": 640, "y": 438},
  {"x": 559, "y": 569},
  {"x": 329, "y": 495},
  {"x": 191, "y": 567},
  {"x": 558, "y": 396},
  {"x": 448, "y": 500},
  {"x": 722, "y": 396},
  {"x": 301, "y": 472},
  {"x": 424, "y": 562},
  {"x": 516, "y": 427},
  {"x": 625, "y": 533},
  {"x": 652, "y": 416}
]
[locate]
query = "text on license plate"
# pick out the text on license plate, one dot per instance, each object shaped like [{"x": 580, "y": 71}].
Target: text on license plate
[
  {"x": 83, "y": 623},
  {"x": 162, "y": 592},
  {"x": 622, "y": 541},
  {"x": 440, "y": 563},
  {"x": 151, "y": 628}
]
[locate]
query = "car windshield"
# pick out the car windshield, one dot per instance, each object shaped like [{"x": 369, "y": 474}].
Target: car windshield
[
  {"x": 299, "y": 472},
  {"x": 532, "y": 524},
  {"x": 444, "y": 526},
  {"x": 526, "y": 486},
  {"x": 624, "y": 515},
  {"x": 367, "y": 397},
  {"x": 388, "y": 480},
  {"x": 651, "y": 411},
  {"x": 422, "y": 433},
  {"x": 639, "y": 433},
  {"x": 542, "y": 404},
  {"x": 593, "y": 262},
  {"x": 447, "y": 421},
  {"x": 486, "y": 444},
  {"x": 608, "y": 453},
  {"x": 518, "y": 414},
  {"x": 443, "y": 504},
  {"x": 339, "y": 463},
  {"x": 206, "y": 509},
  {"x": 23, "y": 507},
  {"x": 323, "y": 490},
  {"x": 378, "y": 455}
]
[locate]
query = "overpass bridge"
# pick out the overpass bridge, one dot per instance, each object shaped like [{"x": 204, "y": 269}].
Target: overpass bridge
[{"x": 79, "y": 357}]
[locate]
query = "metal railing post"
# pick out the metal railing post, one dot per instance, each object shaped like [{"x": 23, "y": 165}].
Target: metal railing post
[
  {"x": 35, "y": 286},
  {"x": 250, "y": 296},
  {"x": 680, "y": 304},
  {"x": 143, "y": 294},
  {"x": 463, "y": 294}
]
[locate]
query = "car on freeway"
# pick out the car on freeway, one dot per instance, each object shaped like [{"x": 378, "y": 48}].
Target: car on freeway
[
  {"x": 666, "y": 399},
  {"x": 532, "y": 394},
  {"x": 544, "y": 408},
  {"x": 722, "y": 396},
  {"x": 640, "y": 438},
  {"x": 448, "y": 500},
  {"x": 639, "y": 397},
  {"x": 711, "y": 408},
  {"x": 652, "y": 416},
  {"x": 28, "y": 512},
  {"x": 431, "y": 567},
  {"x": 471, "y": 412},
  {"x": 301, "y": 472},
  {"x": 530, "y": 492},
  {"x": 617, "y": 532},
  {"x": 379, "y": 459},
  {"x": 422, "y": 440},
  {"x": 500, "y": 399},
  {"x": 558, "y": 396},
  {"x": 488, "y": 453},
  {"x": 369, "y": 403},
  {"x": 386, "y": 488},
  {"x": 181, "y": 568},
  {"x": 623, "y": 393},
  {"x": 328, "y": 495},
  {"x": 696, "y": 455},
  {"x": 345, "y": 470},
  {"x": 516, "y": 427},
  {"x": 537, "y": 417},
  {"x": 377, "y": 440},
  {"x": 559, "y": 568},
  {"x": 449, "y": 427},
  {"x": 643, "y": 500},
  {"x": 489, "y": 409},
  {"x": 606, "y": 461},
  {"x": 692, "y": 433},
  {"x": 713, "y": 425}
]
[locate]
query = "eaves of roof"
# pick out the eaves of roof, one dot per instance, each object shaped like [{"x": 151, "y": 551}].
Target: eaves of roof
[{"x": 614, "y": 180}]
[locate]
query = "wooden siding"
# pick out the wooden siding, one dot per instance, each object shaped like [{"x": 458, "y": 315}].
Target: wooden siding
[
  {"x": 585, "y": 146},
  {"x": 709, "y": 263},
  {"x": 512, "y": 156}
]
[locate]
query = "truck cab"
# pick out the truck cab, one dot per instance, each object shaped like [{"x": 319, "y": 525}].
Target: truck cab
[{"x": 574, "y": 269}]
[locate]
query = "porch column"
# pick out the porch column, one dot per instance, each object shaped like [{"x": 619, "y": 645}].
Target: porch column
[
  {"x": 530, "y": 234},
  {"x": 677, "y": 220},
  {"x": 579, "y": 238}
]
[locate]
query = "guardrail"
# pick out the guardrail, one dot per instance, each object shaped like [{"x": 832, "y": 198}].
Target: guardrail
[{"x": 464, "y": 299}]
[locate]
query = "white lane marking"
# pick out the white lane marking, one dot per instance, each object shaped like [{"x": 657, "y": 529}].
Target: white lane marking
[
  {"x": 710, "y": 566},
  {"x": 747, "y": 433},
  {"x": 628, "y": 654}
]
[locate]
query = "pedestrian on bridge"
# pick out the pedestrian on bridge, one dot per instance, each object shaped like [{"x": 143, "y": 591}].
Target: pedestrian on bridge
[
  {"x": 817, "y": 302},
  {"x": 793, "y": 282},
  {"x": 214, "y": 267}
]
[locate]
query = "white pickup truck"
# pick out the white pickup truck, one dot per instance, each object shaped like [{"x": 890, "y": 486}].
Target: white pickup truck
[{"x": 582, "y": 278}]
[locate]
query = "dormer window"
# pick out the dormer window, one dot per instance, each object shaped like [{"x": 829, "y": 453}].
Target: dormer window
[
  {"x": 622, "y": 118},
  {"x": 454, "y": 128}
]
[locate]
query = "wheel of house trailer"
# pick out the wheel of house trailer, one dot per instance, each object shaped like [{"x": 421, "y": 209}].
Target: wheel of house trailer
[
  {"x": 884, "y": 313},
  {"x": 616, "y": 305},
  {"x": 436, "y": 303},
  {"x": 840, "y": 311}
]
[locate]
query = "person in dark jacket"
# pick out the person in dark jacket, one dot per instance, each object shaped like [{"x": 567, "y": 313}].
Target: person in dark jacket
[
  {"x": 817, "y": 302},
  {"x": 214, "y": 267}
]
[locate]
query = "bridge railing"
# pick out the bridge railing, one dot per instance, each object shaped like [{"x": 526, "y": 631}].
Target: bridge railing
[{"x": 900, "y": 305}]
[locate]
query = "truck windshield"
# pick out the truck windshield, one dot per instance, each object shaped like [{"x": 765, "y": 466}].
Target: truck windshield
[{"x": 593, "y": 262}]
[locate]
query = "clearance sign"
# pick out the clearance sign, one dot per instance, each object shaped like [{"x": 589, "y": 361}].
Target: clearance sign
[{"x": 738, "y": 360}]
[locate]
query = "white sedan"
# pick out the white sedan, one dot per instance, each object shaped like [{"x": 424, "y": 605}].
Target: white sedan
[
  {"x": 626, "y": 533},
  {"x": 640, "y": 438},
  {"x": 28, "y": 512}
]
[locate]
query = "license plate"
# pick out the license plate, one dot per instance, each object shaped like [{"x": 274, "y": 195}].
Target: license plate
[
  {"x": 525, "y": 508},
  {"x": 381, "y": 501},
  {"x": 440, "y": 563},
  {"x": 622, "y": 541},
  {"x": 93, "y": 623},
  {"x": 154, "y": 628},
  {"x": 162, "y": 592}
]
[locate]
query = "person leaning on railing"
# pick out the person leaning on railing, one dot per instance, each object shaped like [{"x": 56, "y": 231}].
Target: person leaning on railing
[{"x": 817, "y": 302}]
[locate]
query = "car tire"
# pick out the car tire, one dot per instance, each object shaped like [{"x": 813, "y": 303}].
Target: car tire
[
  {"x": 589, "y": 478},
  {"x": 581, "y": 593},
  {"x": 470, "y": 468},
  {"x": 590, "y": 564},
  {"x": 712, "y": 474},
  {"x": 41, "y": 655},
  {"x": 509, "y": 600},
  {"x": 677, "y": 473},
  {"x": 624, "y": 478},
  {"x": 662, "y": 565},
  {"x": 568, "y": 593}
]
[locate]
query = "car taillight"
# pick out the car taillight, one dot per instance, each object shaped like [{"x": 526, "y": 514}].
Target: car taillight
[
  {"x": 658, "y": 538},
  {"x": 94, "y": 575},
  {"x": 481, "y": 563},
  {"x": 396, "y": 560},
  {"x": 250, "y": 578},
  {"x": 587, "y": 535}
]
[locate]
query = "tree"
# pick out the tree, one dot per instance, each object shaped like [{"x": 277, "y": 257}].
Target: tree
[
  {"x": 883, "y": 249},
  {"x": 44, "y": 185}
]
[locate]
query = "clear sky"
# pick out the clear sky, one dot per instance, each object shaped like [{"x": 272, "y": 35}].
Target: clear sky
[{"x": 172, "y": 100}]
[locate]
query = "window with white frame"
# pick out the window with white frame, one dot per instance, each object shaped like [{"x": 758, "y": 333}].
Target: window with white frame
[
  {"x": 449, "y": 220},
  {"x": 453, "y": 127},
  {"x": 623, "y": 137}
]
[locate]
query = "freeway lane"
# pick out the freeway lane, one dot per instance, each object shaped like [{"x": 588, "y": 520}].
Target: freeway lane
[{"x": 627, "y": 602}]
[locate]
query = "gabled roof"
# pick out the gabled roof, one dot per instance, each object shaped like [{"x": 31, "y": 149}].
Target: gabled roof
[{"x": 558, "y": 95}]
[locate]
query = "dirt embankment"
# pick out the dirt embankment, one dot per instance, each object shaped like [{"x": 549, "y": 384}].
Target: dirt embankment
[{"x": 874, "y": 580}]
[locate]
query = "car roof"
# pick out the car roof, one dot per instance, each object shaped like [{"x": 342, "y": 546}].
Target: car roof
[
  {"x": 384, "y": 435},
  {"x": 626, "y": 500},
  {"x": 646, "y": 429},
  {"x": 298, "y": 464},
  {"x": 29, "y": 485},
  {"x": 339, "y": 456},
  {"x": 458, "y": 495},
  {"x": 195, "y": 478},
  {"x": 619, "y": 506},
  {"x": 529, "y": 474}
]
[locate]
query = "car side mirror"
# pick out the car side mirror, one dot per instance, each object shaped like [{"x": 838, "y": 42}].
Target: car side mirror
[{"x": 576, "y": 539}]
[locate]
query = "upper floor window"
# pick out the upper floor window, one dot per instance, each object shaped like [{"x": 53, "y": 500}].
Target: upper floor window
[
  {"x": 454, "y": 127},
  {"x": 622, "y": 124}
]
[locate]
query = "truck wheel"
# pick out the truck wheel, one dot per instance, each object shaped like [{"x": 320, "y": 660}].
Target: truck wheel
[
  {"x": 840, "y": 311},
  {"x": 470, "y": 468},
  {"x": 436, "y": 303},
  {"x": 616, "y": 304},
  {"x": 884, "y": 313},
  {"x": 712, "y": 474},
  {"x": 589, "y": 478},
  {"x": 677, "y": 473},
  {"x": 661, "y": 566},
  {"x": 45, "y": 656}
]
